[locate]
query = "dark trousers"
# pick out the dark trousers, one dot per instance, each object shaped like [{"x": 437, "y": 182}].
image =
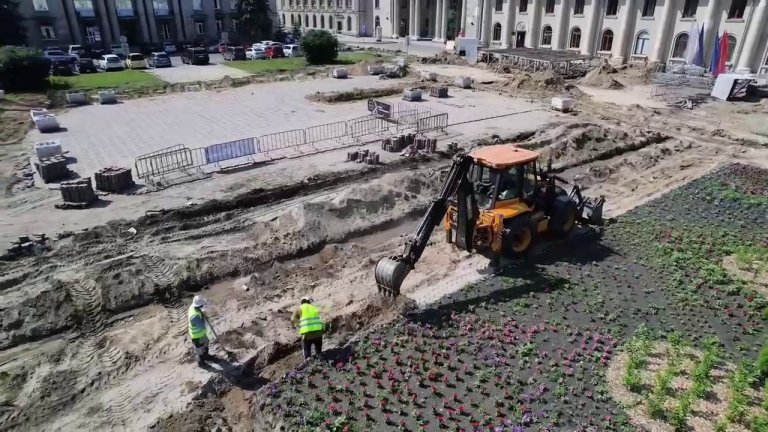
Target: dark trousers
[{"x": 306, "y": 344}]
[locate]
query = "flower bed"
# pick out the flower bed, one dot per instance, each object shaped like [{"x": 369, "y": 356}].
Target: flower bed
[{"x": 528, "y": 350}]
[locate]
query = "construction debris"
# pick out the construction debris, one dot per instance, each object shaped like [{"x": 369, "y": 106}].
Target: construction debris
[
  {"x": 412, "y": 95},
  {"x": 77, "y": 194},
  {"x": 363, "y": 156},
  {"x": 439, "y": 92},
  {"x": 113, "y": 179},
  {"x": 397, "y": 143},
  {"x": 409, "y": 144},
  {"x": 26, "y": 246}
]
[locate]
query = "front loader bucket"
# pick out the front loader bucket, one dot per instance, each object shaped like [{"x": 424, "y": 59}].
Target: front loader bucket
[
  {"x": 592, "y": 211},
  {"x": 390, "y": 273}
]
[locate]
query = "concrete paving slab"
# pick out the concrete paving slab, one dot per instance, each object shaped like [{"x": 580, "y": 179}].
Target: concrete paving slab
[{"x": 181, "y": 73}]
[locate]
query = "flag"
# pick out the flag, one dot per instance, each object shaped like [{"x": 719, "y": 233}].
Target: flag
[
  {"x": 723, "y": 53},
  {"x": 714, "y": 62},
  {"x": 690, "y": 49},
  {"x": 698, "y": 59}
]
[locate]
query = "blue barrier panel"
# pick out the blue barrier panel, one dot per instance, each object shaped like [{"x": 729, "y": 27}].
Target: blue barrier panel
[{"x": 230, "y": 150}]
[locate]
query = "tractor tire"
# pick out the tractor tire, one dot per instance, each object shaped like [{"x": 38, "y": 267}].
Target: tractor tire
[
  {"x": 563, "y": 218},
  {"x": 518, "y": 237}
]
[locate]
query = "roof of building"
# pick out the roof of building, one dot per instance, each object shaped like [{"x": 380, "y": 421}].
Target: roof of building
[{"x": 503, "y": 155}]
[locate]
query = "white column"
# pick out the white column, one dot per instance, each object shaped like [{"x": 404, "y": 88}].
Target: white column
[
  {"x": 588, "y": 34},
  {"x": 463, "y": 22},
  {"x": 411, "y": 18},
  {"x": 417, "y": 18},
  {"x": 661, "y": 45},
  {"x": 506, "y": 29},
  {"x": 438, "y": 19},
  {"x": 444, "y": 21},
  {"x": 535, "y": 30},
  {"x": 486, "y": 20},
  {"x": 560, "y": 34},
  {"x": 711, "y": 23},
  {"x": 623, "y": 34},
  {"x": 178, "y": 13},
  {"x": 751, "y": 52},
  {"x": 395, "y": 18}
]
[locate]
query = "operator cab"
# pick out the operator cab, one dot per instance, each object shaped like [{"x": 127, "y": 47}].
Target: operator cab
[{"x": 511, "y": 176}]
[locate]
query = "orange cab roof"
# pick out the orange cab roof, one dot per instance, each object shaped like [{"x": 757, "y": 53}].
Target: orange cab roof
[{"x": 502, "y": 156}]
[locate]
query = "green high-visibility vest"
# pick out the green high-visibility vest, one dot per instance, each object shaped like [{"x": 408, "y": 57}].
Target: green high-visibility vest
[
  {"x": 310, "y": 319},
  {"x": 196, "y": 332}
]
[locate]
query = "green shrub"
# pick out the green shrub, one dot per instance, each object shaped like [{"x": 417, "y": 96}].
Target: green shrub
[
  {"x": 23, "y": 68},
  {"x": 319, "y": 47},
  {"x": 762, "y": 362}
]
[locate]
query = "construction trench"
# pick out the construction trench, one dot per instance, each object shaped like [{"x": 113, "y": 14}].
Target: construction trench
[{"x": 93, "y": 333}]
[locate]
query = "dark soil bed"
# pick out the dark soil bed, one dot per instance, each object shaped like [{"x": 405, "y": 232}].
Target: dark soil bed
[{"x": 528, "y": 350}]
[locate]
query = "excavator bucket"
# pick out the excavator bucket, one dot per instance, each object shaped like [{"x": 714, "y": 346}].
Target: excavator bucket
[
  {"x": 390, "y": 273},
  {"x": 589, "y": 210}
]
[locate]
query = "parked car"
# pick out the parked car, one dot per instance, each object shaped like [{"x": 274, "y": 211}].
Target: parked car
[
  {"x": 56, "y": 55},
  {"x": 266, "y": 43},
  {"x": 234, "y": 53},
  {"x": 136, "y": 61},
  {"x": 118, "y": 51},
  {"x": 85, "y": 65},
  {"x": 274, "y": 51},
  {"x": 292, "y": 51},
  {"x": 195, "y": 56},
  {"x": 65, "y": 67},
  {"x": 110, "y": 62},
  {"x": 169, "y": 47},
  {"x": 255, "y": 54},
  {"x": 76, "y": 50},
  {"x": 159, "y": 59}
]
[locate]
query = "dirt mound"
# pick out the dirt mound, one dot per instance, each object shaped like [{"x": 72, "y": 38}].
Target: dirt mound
[
  {"x": 444, "y": 58},
  {"x": 601, "y": 77},
  {"x": 356, "y": 94}
]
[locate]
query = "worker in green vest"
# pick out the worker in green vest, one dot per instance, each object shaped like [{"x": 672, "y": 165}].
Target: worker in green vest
[
  {"x": 197, "y": 331},
  {"x": 307, "y": 319}
]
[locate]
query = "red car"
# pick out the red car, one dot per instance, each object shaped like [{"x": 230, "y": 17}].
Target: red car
[{"x": 274, "y": 51}]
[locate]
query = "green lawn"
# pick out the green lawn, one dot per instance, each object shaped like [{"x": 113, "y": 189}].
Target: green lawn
[
  {"x": 292, "y": 64},
  {"x": 123, "y": 80}
]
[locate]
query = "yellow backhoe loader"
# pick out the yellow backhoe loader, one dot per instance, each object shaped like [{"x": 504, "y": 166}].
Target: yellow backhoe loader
[{"x": 495, "y": 201}]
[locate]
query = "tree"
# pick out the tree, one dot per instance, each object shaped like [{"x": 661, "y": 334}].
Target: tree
[
  {"x": 11, "y": 31},
  {"x": 279, "y": 35},
  {"x": 255, "y": 23},
  {"x": 296, "y": 32},
  {"x": 23, "y": 68},
  {"x": 319, "y": 47}
]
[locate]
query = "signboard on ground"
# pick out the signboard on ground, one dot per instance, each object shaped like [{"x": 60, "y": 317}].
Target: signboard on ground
[{"x": 379, "y": 108}]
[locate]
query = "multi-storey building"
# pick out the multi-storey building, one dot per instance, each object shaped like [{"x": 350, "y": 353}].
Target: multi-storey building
[
  {"x": 620, "y": 30},
  {"x": 63, "y": 22}
]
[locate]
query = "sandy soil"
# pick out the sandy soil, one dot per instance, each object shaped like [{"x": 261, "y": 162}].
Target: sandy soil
[{"x": 92, "y": 333}]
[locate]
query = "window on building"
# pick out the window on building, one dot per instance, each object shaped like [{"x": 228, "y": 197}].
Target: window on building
[
  {"x": 47, "y": 32},
  {"x": 330, "y": 22},
  {"x": 349, "y": 23},
  {"x": 313, "y": 4},
  {"x": 498, "y": 5},
  {"x": 549, "y": 7},
  {"x": 234, "y": 24},
  {"x": 160, "y": 7},
  {"x": 84, "y": 6},
  {"x": 217, "y": 4},
  {"x": 219, "y": 25},
  {"x": 403, "y": 4},
  {"x": 200, "y": 27},
  {"x": 282, "y": 20},
  {"x": 306, "y": 20},
  {"x": 731, "y": 46},
  {"x": 497, "y": 32},
  {"x": 689, "y": 9},
  {"x": 40, "y": 5},
  {"x": 578, "y": 7},
  {"x": 736, "y": 10},
  {"x": 322, "y": 21},
  {"x": 575, "y": 40},
  {"x": 612, "y": 8},
  {"x": 546, "y": 36},
  {"x": 165, "y": 31},
  {"x": 648, "y": 7},
  {"x": 299, "y": 20},
  {"x": 680, "y": 46},
  {"x": 293, "y": 20},
  {"x": 338, "y": 4},
  {"x": 376, "y": 22},
  {"x": 606, "y": 42},
  {"x": 290, "y": 3},
  {"x": 314, "y": 21},
  {"x": 523, "y": 6},
  {"x": 349, "y": 4},
  {"x": 376, "y": 4},
  {"x": 197, "y": 4},
  {"x": 124, "y": 7},
  {"x": 642, "y": 43}
]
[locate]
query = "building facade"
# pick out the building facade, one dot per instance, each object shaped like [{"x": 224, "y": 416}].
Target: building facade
[
  {"x": 64, "y": 22},
  {"x": 620, "y": 30}
]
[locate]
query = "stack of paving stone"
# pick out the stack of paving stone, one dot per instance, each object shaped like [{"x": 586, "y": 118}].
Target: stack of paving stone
[
  {"x": 438, "y": 91},
  {"x": 77, "y": 194},
  {"x": 52, "y": 168},
  {"x": 425, "y": 144},
  {"x": 113, "y": 179},
  {"x": 397, "y": 143},
  {"x": 363, "y": 156},
  {"x": 412, "y": 95}
]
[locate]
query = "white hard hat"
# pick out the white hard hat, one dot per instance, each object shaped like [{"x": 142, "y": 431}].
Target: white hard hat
[
  {"x": 306, "y": 299},
  {"x": 199, "y": 302}
]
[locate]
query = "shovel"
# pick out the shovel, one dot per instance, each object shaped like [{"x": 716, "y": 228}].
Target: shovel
[{"x": 230, "y": 355}]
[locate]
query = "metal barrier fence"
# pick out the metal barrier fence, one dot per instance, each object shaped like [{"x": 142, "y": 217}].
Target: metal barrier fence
[{"x": 180, "y": 157}]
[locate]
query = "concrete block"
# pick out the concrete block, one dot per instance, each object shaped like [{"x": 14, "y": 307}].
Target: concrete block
[
  {"x": 375, "y": 69},
  {"x": 48, "y": 149},
  {"x": 107, "y": 97},
  {"x": 463, "y": 82},
  {"x": 77, "y": 98},
  {"x": 340, "y": 73},
  {"x": 438, "y": 91},
  {"x": 562, "y": 103},
  {"x": 412, "y": 95}
]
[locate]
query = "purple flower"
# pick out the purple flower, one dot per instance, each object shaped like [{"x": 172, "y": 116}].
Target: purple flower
[
  {"x": 527, "y": 418},
  {"x": 498, "y": 429},
  {"x": 518, "y": 429}
]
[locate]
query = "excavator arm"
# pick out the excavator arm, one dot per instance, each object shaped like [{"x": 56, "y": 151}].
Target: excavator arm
[{"x": 391, "y": 271}]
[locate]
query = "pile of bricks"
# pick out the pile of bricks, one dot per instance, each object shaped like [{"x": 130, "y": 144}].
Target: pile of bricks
[
  {"x": 425, "y": 144},
  {"x": 77, "y": 194},
  {"x": 363, "y": 156},
  {"x": 113, "y": 179},
  {"x": 397, "y": 143},
  {"x": 438, "y": 91},
  {"x": 52, "y": 168}
]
